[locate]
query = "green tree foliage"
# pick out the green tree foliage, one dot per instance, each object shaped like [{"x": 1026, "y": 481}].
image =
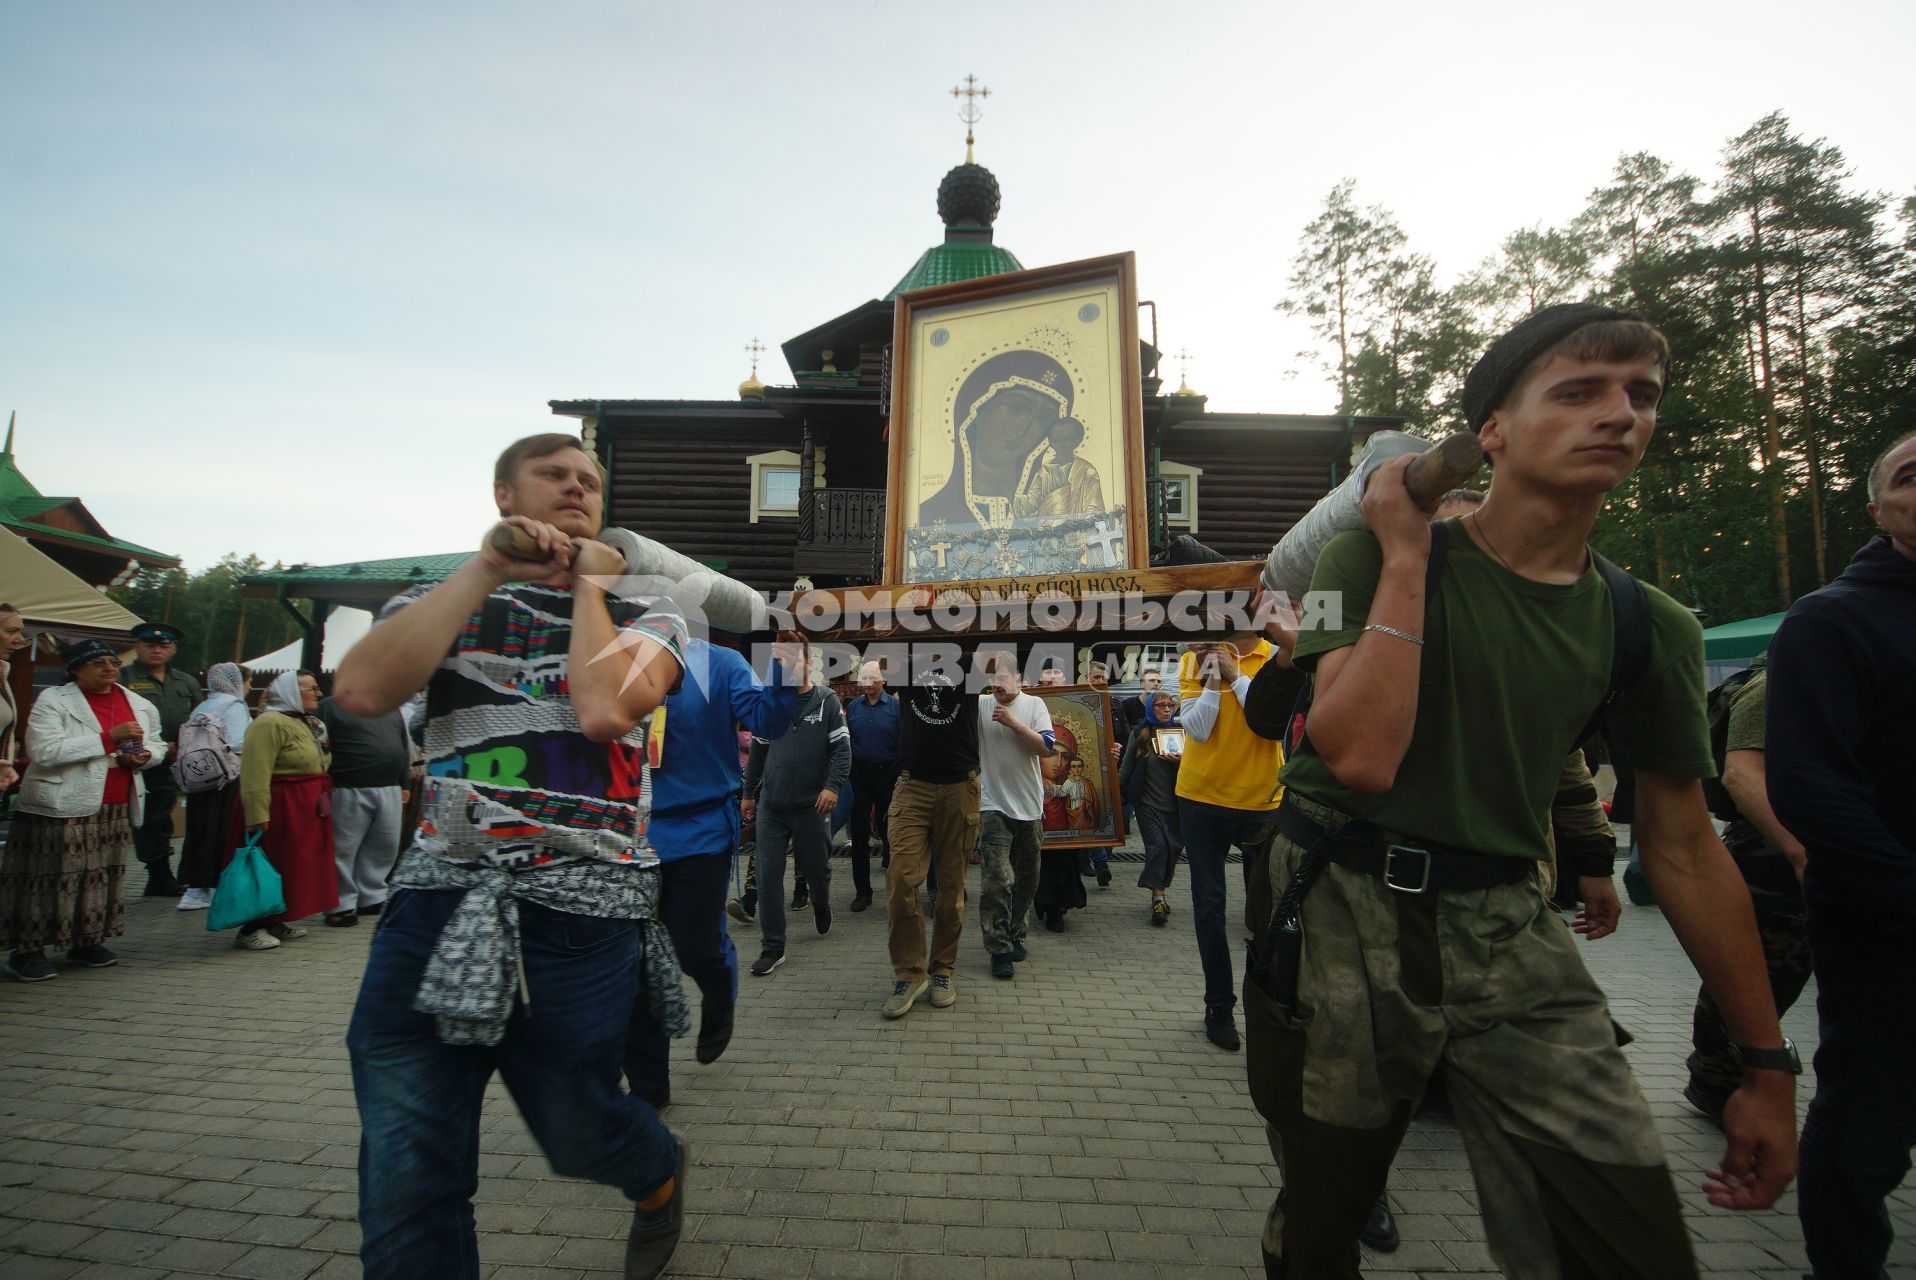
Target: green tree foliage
[
  {"x": 1788, "y": 297},
  {"x": 208, "y": 608}
]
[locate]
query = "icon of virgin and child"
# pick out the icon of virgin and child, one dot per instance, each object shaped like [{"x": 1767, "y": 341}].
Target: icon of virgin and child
[{"x": 1019, "y": 497}]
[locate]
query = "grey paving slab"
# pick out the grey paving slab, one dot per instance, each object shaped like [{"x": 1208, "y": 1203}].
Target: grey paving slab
[{"x": 190, "y": 1113}]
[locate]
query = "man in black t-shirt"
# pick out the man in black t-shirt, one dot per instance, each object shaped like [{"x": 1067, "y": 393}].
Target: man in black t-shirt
[{"x": 933, "y": 821}]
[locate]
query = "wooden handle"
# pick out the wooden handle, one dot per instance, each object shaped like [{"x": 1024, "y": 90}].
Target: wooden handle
[
  {"x": 511, "y": 540},
  {"x": 1443, "y": 467}
]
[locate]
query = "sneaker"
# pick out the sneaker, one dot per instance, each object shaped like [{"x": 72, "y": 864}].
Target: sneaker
[
  {"x": 942, "y": 995},
  {"x": 1104, "y": 877},
  {"x": 801, "y": 896},
  {"x": 196, "y": 900},
  {"x": 285, "y": 932},
  {"x": 737, "y": 909},
  {"x": 31, "y": 966},
  {"x": 1380, "y": 1233},
  {"x": 342, "y": 919},
  {"x": 1018, "y": 952},
  {"x": 1002, "y": 966},
  {"x": 1160, "y": 911},
  {"x": 258, "y": 940},
  {"x": 861, "y": 901},
  {"x": 822, "y": 915},
  {"x": 93, "y": 957},
  {"x": 1221, "y": 1029},
  {"x": 904, "y": 994},
  {"x": 766, "y": 962},
  {"x": 715, "y": 1030},
  {"x": 655, "y": 1232}
]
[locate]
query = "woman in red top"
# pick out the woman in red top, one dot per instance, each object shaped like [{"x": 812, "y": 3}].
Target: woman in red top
[{"x": 60, "y": 881}]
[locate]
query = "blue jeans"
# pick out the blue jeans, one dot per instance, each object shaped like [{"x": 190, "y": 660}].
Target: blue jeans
[
  {"x": 420, "y": 1099},
  {"x": 692, "y": 908},
  {"x": 1209, "y": 832},
  {"x": 1862, "y": 1121}
]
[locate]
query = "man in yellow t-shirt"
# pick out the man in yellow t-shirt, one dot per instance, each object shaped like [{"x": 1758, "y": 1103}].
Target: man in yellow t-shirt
[{"x": 1227, "y": 793}]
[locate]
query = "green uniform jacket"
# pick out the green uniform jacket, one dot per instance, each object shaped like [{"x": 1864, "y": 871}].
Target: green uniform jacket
[{"x": 176, "y": 696}]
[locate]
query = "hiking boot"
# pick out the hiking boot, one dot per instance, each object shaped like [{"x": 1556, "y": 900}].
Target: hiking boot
[
  {"x": 1018, "y": 952},
  {"x": 904, "y": 994},
  {"x": 93, "y": 957},
  {"x": 801, "y": 896},
  {"x": 1160, "y": 911},
  {"x": 1002, "y": 966},
  {"x": 942, "y": 995},
  {"x": 860, "y": 901},
  {"x": 1380, "y": 1233},
  {"x": 741, "y": 911},
  {"x": 822, "y": 915},
  {"x": 31, "y": 966},
  {"x": 715, "y": 1030},
  {"x": 766, "y": 962},
  {"x": 655, "y": 1232},
  {"x": 1221, "y": 1029}
]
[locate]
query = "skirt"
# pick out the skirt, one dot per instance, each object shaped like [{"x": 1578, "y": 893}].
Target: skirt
[
  {"x": 206, "y": 848},
  {"x": 298, "y": 843},
  {"x": 1060, "y": 887},
  {"x": 61, "y": 879}
]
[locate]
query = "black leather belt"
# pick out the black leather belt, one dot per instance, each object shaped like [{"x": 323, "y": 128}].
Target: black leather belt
[{"x": 1404, "y": 867}]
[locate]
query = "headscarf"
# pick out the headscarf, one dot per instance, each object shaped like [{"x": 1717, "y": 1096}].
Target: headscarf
[
  {"x": 283, "y": 696},
  {"x": 227, "y": 678},
  {"x": 1151, "y": 712}
]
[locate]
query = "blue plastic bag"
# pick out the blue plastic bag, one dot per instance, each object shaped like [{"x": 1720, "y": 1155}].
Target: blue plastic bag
[{"x": 249, "y": 888}]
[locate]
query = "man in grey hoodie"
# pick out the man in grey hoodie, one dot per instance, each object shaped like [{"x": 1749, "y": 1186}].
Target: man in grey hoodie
[{"x": 791, "y": 788}]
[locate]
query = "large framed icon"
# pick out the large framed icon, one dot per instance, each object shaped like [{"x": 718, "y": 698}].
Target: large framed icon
[
  {"x": 1017, "y": 444},
  {"x": 1082, "y": 806}
]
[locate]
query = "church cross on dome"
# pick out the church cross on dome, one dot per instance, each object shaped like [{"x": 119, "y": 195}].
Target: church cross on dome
[{"x": 969, "y": 96}]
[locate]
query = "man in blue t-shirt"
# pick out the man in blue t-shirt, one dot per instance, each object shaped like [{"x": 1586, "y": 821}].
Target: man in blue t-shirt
[{"x": 695, "y": 828}]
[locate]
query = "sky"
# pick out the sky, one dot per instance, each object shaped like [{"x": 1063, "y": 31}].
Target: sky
[{"x": 283, "y": 278}]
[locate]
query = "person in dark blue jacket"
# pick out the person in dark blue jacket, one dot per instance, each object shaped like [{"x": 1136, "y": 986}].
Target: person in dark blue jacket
[
  {"x": 873, "y": 717},
  {"x": 695, "y": 828},
  {"x": 1841, "y": 759}
]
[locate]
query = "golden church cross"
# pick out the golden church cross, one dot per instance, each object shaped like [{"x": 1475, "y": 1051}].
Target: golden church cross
[
  {"x": 969, "y": 109},
  {"x": 754, "y": 349}
]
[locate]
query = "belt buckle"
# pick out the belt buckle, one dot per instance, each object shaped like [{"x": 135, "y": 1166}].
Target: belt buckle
[{"x": 1392, "y": 852}]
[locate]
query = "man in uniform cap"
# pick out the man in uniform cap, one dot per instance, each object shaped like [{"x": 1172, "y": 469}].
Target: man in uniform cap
[{"x": 175, "y": 693}]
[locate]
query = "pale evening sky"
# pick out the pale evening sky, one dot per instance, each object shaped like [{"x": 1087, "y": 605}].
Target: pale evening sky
[{"x": 283, "y": 278}]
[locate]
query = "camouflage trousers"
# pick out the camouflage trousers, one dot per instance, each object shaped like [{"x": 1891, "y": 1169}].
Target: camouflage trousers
[
  {"x": 1714, "y": 1073},
  {"x": 1487, "y": 985}
]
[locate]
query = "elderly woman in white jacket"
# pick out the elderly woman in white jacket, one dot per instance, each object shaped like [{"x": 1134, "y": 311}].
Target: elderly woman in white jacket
[{"x": 87, "y": 743}]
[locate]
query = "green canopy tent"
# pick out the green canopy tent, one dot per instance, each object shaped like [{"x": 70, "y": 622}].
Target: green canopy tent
[{"x": 1744, "y": 639}]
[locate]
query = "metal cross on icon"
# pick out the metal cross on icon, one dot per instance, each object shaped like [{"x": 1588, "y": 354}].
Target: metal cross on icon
[
  {"x": 969, "y": 109},
  {"x": 1103, "y": 540}
]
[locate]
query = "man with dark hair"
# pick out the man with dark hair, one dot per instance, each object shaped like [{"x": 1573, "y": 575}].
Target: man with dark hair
[
  {"x": 1842, "y": 778},
  {"x": 531, "y": 880},
  {"x": 176, "y": 694},
  {"x": 1412, "y": 830}
]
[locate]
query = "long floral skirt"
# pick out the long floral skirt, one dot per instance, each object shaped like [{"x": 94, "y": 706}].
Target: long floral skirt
[{"x": 61, "y": 880}]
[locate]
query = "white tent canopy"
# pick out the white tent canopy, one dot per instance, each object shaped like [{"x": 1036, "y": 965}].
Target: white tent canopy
[
  {"x": 53, "y": 600},
  {"x": 344, "y": 627}
]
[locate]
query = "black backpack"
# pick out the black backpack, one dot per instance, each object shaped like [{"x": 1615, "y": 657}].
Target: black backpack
[
  {"x": 1629, "y": 657},
  {"x": 1715, "y": 794}
]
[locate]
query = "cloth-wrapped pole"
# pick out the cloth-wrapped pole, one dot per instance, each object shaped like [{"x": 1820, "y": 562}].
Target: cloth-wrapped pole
[
  {"x": 1437, "y": 469},
  {"x": 698, "y": 590}
]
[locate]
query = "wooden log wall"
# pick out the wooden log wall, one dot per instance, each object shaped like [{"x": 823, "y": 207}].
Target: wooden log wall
[
  {"x": 688, "y": 487},
  {"x": 1252, "y": 490}
]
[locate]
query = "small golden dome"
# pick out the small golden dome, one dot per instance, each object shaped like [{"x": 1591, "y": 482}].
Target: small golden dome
[{"x": 751, "y": 389}]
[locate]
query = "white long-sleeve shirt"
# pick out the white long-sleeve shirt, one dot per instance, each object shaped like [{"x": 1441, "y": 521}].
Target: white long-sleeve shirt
[{"x": 1199, "y": 714}]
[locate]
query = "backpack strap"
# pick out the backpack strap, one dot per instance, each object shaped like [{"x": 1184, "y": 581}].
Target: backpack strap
[{"x": 1629, "y": 648}]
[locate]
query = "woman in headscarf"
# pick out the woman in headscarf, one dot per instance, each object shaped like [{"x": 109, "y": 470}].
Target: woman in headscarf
[
  {"x": 286, "y": 796},
  {"x": 1014, "y": 448},
  {"x": 209, "y": 813},
  {"x": 1148, "y": 777},
  {"x": 61, "y": 876}
]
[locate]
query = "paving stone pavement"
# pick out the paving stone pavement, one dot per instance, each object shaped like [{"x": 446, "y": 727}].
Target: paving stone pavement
[{"x": 190, "y": 1113}]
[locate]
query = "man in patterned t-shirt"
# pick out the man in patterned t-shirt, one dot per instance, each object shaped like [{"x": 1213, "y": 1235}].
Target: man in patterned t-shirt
[{"x": 520, "y": 930}]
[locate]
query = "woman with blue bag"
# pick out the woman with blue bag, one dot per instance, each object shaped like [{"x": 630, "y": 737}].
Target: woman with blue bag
[{"x": 286, "y": 802}]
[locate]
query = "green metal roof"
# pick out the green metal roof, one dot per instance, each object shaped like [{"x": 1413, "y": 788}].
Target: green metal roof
[
  {"x": 949, "y": 263},
  {"x": 20, "y": 501},
  {"x": 404, "y": 568}
]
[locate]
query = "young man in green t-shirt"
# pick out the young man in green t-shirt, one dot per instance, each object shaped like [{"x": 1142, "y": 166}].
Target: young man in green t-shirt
[{"x": 1442, "y": 726}]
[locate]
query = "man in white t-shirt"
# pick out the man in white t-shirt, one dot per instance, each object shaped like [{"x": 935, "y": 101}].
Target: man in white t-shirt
[{"x": 1014, "y": 733}]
